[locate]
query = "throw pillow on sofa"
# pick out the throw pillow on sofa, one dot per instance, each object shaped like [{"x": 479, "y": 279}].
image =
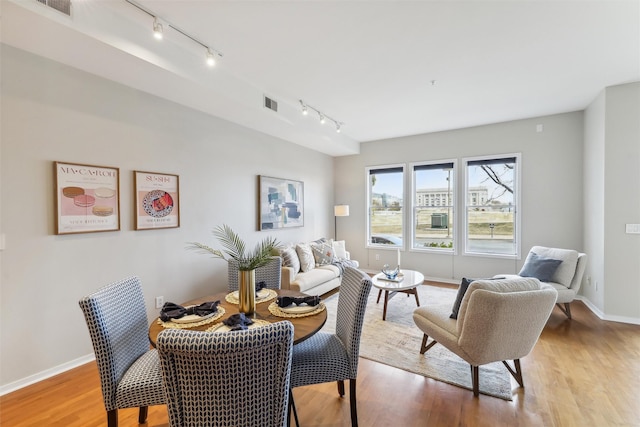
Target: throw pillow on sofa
[
  {"x": 290, "y": 258},
  {"x": 339, "y": 250},
  {"x": 305, "y": 254},
  {"x": 323, "y": 252}
]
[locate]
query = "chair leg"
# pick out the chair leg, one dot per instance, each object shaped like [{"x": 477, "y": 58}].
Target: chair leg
[
  {"x": 517, "y": 373},
  {"x": 475, "y": 380},
  {"x": 341, "y": 388},
  {"x": 424, "y": 347},
  {"x": 112, "y": 418},
  {"x": 142, "y": 415},
  {"x": 566, "y": 309},
  {"x": 292, "y": 406},
  {"x": 352, "y": 396}
]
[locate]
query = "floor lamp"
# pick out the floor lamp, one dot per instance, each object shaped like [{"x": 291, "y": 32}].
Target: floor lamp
[{"x": 339, "y": 210}]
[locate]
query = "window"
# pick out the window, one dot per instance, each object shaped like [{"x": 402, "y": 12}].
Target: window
[
  {"x": 492, "y": 214},
  {"x": 385, "y": 223},
  {"x": 433, "y": 201}
]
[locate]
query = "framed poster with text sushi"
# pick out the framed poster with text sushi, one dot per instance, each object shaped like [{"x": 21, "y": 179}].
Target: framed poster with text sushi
[
  {"x": 157, "y": 201},
  {"x": 87, "y": 198}
]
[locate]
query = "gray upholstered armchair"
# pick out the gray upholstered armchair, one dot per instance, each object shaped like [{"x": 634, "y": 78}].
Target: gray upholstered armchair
[
  {"x": 498, "y": 320},
  {"x": 561, "y": 268}
]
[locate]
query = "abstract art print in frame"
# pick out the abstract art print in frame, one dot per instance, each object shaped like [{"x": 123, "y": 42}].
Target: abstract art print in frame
[
  {"x": 281, "y": 203},
  {"x": 87, "y": 198},
  {"x": 157, "y": 201}
]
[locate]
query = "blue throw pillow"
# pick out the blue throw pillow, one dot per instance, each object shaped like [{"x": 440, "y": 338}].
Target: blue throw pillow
[
  {"x": 542, "y": 269},
  {"x": 464, "y": 285}
]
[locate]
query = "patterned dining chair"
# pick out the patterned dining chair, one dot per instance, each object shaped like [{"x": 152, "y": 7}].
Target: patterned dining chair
[
  {"x": 129, "y": 370},
  {"x": 238, "y": 378},
  {"x": 327, "y": 357},
  {"x": 270, "y": 274}
]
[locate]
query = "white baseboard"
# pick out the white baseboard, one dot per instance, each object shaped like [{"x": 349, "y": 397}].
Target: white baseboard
[
  {"x": 32, "y": 379},
  {"x": 607, "y": 317}
]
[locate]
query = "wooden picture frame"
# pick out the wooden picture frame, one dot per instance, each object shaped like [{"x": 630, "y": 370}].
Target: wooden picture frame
[
  {"x": 157, "y": 200},
  {"x": 281, "y": 203},
  {"x": 87, "y": 198}
]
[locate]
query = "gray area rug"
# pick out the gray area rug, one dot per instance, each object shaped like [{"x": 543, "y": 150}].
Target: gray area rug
[{"x": 396, "y": 342}]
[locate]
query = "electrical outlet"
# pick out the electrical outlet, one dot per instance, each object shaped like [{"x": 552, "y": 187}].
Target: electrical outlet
[
  {"x": 159, "y": 302},
  {"x": 377, "y": 257},
  {"x": 596, "y": 284}
]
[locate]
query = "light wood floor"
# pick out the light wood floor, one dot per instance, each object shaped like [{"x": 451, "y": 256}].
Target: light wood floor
[{"x": 582, "y": 372}]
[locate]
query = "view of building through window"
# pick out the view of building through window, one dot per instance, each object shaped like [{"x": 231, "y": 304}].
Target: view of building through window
[
  {"x": 491, "y": 206},
  {"x": 433, "y": 209}
]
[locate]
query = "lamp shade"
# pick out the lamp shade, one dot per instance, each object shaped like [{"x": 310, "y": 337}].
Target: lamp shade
[{"x": 341, "y": 210}]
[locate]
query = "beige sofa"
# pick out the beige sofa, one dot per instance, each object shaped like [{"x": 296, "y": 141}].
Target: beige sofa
[{"x": 314, "y": 268}]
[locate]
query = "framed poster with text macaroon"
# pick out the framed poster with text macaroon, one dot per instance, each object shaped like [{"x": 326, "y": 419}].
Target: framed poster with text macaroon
[
  {"x": 87, "y": 198},
  {"x": 157, "y": 201}
]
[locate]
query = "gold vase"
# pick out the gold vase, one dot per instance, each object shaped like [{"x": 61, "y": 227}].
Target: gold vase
[{"x": 247, "y": 291}]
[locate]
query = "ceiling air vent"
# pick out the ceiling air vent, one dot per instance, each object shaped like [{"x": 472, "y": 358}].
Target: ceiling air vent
[
  {"x": 270, "y": 104},
  {"x": 63, "y": 6}
]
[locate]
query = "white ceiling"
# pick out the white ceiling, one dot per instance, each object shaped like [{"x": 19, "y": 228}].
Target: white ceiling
[{"x": 384, "y": 68}]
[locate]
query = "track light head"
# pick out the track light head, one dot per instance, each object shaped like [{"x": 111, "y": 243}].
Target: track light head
[
  {"x": 322, "y": 119},
  {"x": 211, "y": 60},
  {"x": 305, "y": 111},
  {"x": 338, "y": 127},
  {"x": 157, "y": 29}
]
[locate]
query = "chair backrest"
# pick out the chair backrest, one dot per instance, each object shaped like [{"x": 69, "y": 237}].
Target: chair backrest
[
  {"x": 117, "y": 320},
  {"x": 270, "y": 274},
  {"x": 352, "y": 302},
  {"x": 503, "y": 319},
  {"x": 238, "y": 378}
]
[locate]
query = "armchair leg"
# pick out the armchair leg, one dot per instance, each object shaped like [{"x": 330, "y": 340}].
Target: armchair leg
[
  {"x": 475, "y": 380},
  {"x": 112, "y": 418},
  {"x": 424, "y": 347},
  {"x": 517, "y": 373},
  {"x": 352, "y": 396},
  {"x": 341, "y": 388},
  {"x": 566, "y": 309},
  {"x": 142, "y": 415}
]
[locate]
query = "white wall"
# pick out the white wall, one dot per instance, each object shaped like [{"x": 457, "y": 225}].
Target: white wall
[
  {"x": 551, "y": 190},
  {"x": 594, "y": 142},
  {"x": 52, "y": 112},
  {"x": 622, "y": 201}
]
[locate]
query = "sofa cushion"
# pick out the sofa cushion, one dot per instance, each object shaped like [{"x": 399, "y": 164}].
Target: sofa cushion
[
  {"x": 305, "y": 255},
  {"x": 323, "y": 252},
  {"x": 290, "y": 258},
  {"x": 566, "y": 270},
  {"x": 541, "y": 268},
  {"x": 317, "y": 276}
]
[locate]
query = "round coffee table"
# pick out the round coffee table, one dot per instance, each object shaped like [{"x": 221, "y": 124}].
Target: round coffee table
[{"x": 406, "y": 283}]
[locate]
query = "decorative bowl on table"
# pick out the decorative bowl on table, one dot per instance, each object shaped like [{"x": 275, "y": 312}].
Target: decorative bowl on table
[{"x": 389, "y": 273}]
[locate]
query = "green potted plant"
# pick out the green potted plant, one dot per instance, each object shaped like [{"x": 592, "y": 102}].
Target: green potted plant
[{"x": 235, "y": 248}]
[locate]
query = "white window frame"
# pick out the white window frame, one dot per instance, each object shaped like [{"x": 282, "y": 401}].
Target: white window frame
[
  {"x": 453, "y": 218},
  {"x": 516, "y": 206},
  {"x": 368, "y": 170}
]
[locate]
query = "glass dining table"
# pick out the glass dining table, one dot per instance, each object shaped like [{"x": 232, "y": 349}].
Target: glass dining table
[{"x": 305, "y": 325}]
